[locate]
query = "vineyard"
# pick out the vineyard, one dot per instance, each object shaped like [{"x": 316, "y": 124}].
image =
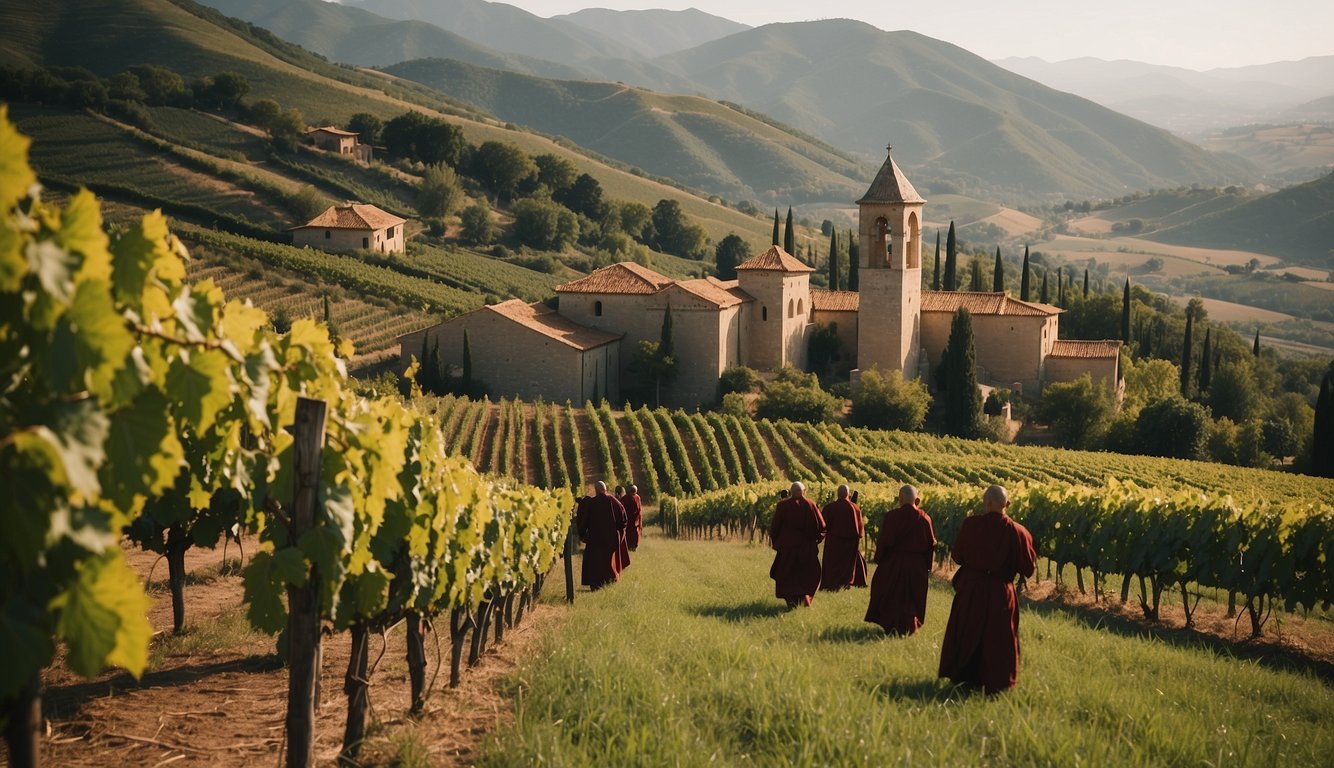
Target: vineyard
[{"x": 676, "y": 453}]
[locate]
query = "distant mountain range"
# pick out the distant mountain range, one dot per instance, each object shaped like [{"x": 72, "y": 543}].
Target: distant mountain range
[
  {"x": 655, "y": 33},
  {"x": 1190, "y": 102}
]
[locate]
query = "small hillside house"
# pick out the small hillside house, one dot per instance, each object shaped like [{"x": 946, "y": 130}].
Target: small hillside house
[
  {"x": 351, "y": 227},
  {"x": 340, "y": 142}
]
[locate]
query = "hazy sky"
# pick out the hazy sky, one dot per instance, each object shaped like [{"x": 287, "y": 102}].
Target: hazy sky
[{"x": 1199, "y": 34}]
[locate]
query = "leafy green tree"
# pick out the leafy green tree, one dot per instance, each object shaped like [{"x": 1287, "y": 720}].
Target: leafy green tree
[
  {"x": 501, "y": 168},
  {"x": 265, "y": 112},
  {"x": 636, "y": 220},
  {"x": 1234, "y": 393},
  {"x": 796, "y": 396},
  {"x": 477, "y": 226},
  {"x": 673, "y": 232},
  {"x": 961, "y": 400},
  {"x": 582, "y": 195},
  {"x": 429, "y": 140},
  {"x": 1173, "y": 427},
  {"x": 161, "y": 86},
  {"x": 1148, "y": 381},
  {"x": 440, "y": 193},
  {"x": 226, "y": 90},
  {"x": 889, "y": 401},
  {"x": 789, "y": 234},
  {"x": 854, "y": 263},
  {"x": 367, "y": 126},
  {"x": 556, "y": 173},
  {"x": 287, "y": 131},
  {"x": 730, "y": 252},
  {"x": 935, "y": 271},
  {"x": 1077, "y": 410},
  {"x": 998, "y": 274},
  {"x": 822, "y": 348},
  {"x": 1279, "y": 438},
  {"x": 1024, "y": 278},
  {"x": 833, "y": 261},
  {"x": 951, "y": 281},
  {"x": 545, "y": 225}
]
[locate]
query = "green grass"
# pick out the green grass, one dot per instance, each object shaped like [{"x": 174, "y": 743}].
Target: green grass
[
  {"x": 226, "y": 633},
  {"x": 692, "y": 661}
]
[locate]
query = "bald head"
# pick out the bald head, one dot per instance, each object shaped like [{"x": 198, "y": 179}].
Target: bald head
[
  {"x": 843, "y": 491},
  {"x": 634, "y": 489},
  {"x": 797, "y": 490},
  {"x": 995, "y": 499},
  {"x": 600, "y": 487},
  {"x": 908, "y": 495}
]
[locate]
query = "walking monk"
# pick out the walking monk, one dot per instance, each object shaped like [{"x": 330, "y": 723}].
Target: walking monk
[
  {"x": 601, "y": 524},
  {"x": 981, "y": 644},
  {"x": 903, "y": 558},
  {"x": 795, "y": 534},
  {"x": 634, "y": 517},
  {"x": 844, "y": 565}
]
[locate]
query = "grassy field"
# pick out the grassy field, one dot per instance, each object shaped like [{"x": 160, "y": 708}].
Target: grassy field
[{"x": 692, "y": 661}]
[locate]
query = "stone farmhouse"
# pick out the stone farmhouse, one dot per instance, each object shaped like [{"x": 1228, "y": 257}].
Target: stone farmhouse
[
  {"x": 763, "y": 320},
  {"x": 340, "y": 142},
  {"x": 351, "y": 227}
]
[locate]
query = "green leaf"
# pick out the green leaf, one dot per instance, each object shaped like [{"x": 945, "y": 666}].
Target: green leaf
[
  {"x": 144, "y": 455},
  {"x": 104, "y": 617},
  {"x": 78, "y": 432},
  {"x": 289, "y": 566},
  {"x": 372, "y": 592},
  {"x": 196, "y": 309},
  {"x": 13, "y": 266},
  {"x": 201, "y": 385},
  {"x": 16, "y": 176},
  {"x": 29, "y": 469},
  {"x": 81, "y": 232},
  {"x": 101, "y": 340},
  {"x": 54, "y": 267},
  {"x": 264, "y": 595}
]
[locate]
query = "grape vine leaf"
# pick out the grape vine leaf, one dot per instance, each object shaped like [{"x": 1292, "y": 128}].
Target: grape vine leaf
[
  {"x": 16, "y": 176},
  {"x": 104, "y": 617},
  {"x": 201, "y": 385},
  {"x": 78, "y": 432},
  {"x": 264, "y": 593},
  {"x": 143, "y": 452}
]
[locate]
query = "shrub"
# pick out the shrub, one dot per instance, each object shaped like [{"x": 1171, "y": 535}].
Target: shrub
[
  {"x": 738, "y": 378},
  {"x": 1172, "y": 427},
  {"x": 796, "y": 396},
  {"x": 1077, "y": 410},
  {"x": 889, "y": 401}
]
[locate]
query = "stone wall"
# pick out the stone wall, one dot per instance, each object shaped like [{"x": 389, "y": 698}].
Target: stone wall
[{"x": 349, "y": 239}]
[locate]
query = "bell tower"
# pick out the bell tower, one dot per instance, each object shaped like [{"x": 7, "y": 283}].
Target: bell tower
[{"x": 890, "y": 278}]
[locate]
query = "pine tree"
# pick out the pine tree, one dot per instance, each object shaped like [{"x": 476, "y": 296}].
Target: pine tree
[
  {"x": 854, "y": 263},
  {"x": 1044, "y": 296},
  {"x": 833, "y": 261},
  {"x": 776, "y": 240},
  {"x": 1186, "y": 358},
  {"x": 1125, "y": 314},
  {"x": 935, "y": 273},
  {"x": 951, "y": 281},
  {"x": 998, "y": 274},
  {"x": 1086, "y": 282},
  {"x": 1322, "y": 445},
  {"x": 789, "y": 235},
  {"x": 467, "y": 365},
  {"x": 1206, "y": 360},
  {"x": 1255, "y": 346},
  {"x": 962, "y": 399},
  {"x": 1023, "y": 279}
]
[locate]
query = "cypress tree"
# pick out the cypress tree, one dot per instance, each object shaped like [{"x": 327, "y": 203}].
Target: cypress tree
[
  {"x": 1206, "y": 360},
  {"x": 975, "y": 275},
  {"x": 935, "y": 273},
  {"x": 1086, "y": 282},
  {"x": 1044, "y": 295},
  {"x": 962, "y": 398},
  {"x": 1023, "y": 279},
  {"x": 422, "y": 360},
  {"x": 467, "y": 365},
  {"x": 776, "y": 240},
  {"x": 951, "y": 280},
  {"x": 1125, "y": 313},
  {"x": 1060, "y": 289},
  {"x": 854, "y": 266},
  {"x": 1255, "y": 346},
  {"x": 1186, "y": 357},
  {"x": 434, "y": 381},
  {"x": 998, "y": 274},
  {"x": 833, "y": 261},
  {"x": 1322, "y": 445},
  {"x": 789, "y": 236},
  {"x": 666, "y": 342}
]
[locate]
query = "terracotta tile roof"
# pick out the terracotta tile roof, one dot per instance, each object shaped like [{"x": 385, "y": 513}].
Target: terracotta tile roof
[
  {"x": 1087, "y": 350},
  {"x": 333, "y": 131},
  {"x": 726, "y": 285},
  {"x": 707, "y": 290},
  {"x": 546, "y": 321},
  {"x": 624, "y": 277},
  {"x": 775, "y": 260},
  {"x": 891, "y": 186},
  {"x": 353, "y": 216},
  {"x": 984, "y": 303},
  {"x": 835, "y": 301}
]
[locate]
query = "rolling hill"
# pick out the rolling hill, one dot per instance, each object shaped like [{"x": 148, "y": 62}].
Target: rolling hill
[
  {"x": 954, "y": 117},
  {"x": 699, "y": 142},
  {"x": 656, "y": 32}
]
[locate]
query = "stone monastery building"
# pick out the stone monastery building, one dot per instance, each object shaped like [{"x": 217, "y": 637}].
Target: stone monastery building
[{"x": 763, "y": 320}]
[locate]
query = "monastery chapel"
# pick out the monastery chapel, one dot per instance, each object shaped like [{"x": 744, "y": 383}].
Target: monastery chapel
[{"x": 763, "y": 320}]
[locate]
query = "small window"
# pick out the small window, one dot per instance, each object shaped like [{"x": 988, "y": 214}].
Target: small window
[
  {"x": 597, "y": 309},
  {"x": 327, "y": 234},
  {"x": 389, "y": 233},
  {"x": 764, "y": 314},
  {"x": 791, "y": 308},
  {"x": 365, "y": 242},
  {"x": 801, "y": 306}
]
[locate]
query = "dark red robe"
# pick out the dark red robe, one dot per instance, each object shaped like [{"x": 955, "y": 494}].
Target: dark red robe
[
  {"x": 634, "y": 519},
  {"x": 601, "y": 522},
  {"x": 796, "y": 533},
  {"x": 843, "y": 564},
  {"x": 903, "y": 563},
  {"x": 981, "y": 643}
]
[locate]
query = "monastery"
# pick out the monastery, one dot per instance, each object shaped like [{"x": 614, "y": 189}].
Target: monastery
[{"x": 763, "y": 320}]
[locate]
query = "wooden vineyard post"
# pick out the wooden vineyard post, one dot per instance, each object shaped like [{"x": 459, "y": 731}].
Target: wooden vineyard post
[
  {"x": 303, "y": 618},
  {"x": 569, "y": 565}
]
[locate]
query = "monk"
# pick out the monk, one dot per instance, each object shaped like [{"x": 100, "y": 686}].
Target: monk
[
  {"x": 795, "y": 534},
  {"x": 981, "y": 645},
  {"x": 634, "y": 517},
  {"x": 623, "y": 548},
  {"x": 601, "y": 522},
  {"x": 903, "y": 563},
  {"x": 843, "y": 565}
]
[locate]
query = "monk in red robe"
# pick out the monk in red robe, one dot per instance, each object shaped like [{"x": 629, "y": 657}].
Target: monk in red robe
[
  {"x": 903, "y": 563},
  {"x": 843, "y": 565},
  {"x": 601, "y": 522},
  {"x": 623, "y": 548},
  {"x": 634, "y": 517},
  {"x": 795, "y": 534},
  {"x": 981, "y": 645}
]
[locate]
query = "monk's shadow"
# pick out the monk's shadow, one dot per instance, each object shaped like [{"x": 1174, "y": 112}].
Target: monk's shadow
[
  {"x": 733, "y": 612},
  {"x": 866, "y": 633},
  {"x": 932, "y": 691}
]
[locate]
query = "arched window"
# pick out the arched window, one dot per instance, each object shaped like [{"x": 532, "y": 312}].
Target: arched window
[
  {"x": 914, "y": 251},
  {"x": 801, "y": 307},
  {"x": 764, "y": 314},
  {"x": 597, "y": 309},
  {"x": 791, "y": 308}
]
